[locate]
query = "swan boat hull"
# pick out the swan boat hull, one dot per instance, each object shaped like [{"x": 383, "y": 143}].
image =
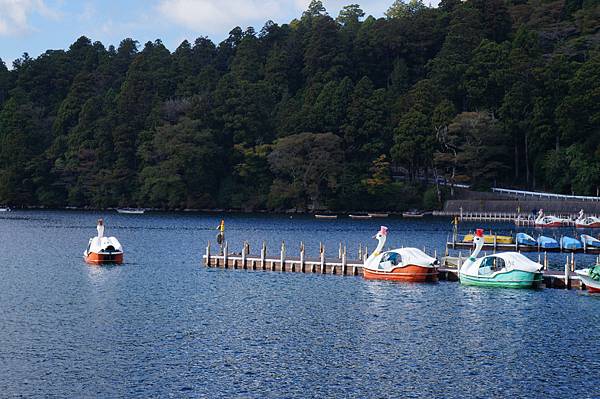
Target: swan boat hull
[
  {"x": 510, "y": 279},
  {"x": 101, "y": 258},
  {"x": 409, "y": 273},
  {"x": 593, "y": 286}
]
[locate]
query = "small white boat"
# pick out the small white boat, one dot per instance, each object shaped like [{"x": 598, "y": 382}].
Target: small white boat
[
  {"x": 360, "y": 217},
  {"x": 591, "y": 278},
  {"x": 327, "y": 217},
  {"x": 379, "y": 215},
  {"x": 131, "y": 211},
  {"x": 413, "y": 214},
  {"x": 5, "y": 209}
]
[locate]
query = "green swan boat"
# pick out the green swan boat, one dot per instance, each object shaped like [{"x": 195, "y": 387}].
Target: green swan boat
[{"x": 505, "y": 269}]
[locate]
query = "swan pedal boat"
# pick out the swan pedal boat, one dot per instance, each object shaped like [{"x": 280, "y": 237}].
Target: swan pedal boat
[
  {"x": 549, "y": 221},
  {"x": 592, "y": 285},
  {"x": 505, "y": 269},
  {"x": 589, "y": 222},
  {"x": 103, "y": 250},
  {"x": 402, "y": 264}
]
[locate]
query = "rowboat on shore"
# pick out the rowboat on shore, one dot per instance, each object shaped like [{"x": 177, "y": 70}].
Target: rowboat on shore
[
  {"x": 131, "y": 211},
  {"x": 379, "y": 215},
  {"x": 360, "y": 217},
  {"x": 326, "y": 217}
]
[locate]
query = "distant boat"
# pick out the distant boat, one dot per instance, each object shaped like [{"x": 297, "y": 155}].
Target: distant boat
[
  {"x": 5, "y": 209},
  {"x": 413, "y": 214},
  {"x": 526, "y": 239},
  {"x": 379, "y": 215},
  {"x": 549, "y": 221},
  {"x": 570, "y": 243},
  {"x": 547, "y": 242},
  {"x": 131, "y": 211},
  {"x": 327, "y": 217},
  {"x": 589, "y": 222},
  {"x": 360, "y": 217}
]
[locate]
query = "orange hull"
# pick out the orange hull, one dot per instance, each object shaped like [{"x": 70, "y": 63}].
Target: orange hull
[
  {"x": 410, "y": 273},
  {"x": 593, "y": 290},
  {"x": 99, "y": 259}
]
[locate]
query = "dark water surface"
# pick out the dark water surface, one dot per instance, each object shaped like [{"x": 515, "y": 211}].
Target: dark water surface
[{"x": 164, "y": 326}]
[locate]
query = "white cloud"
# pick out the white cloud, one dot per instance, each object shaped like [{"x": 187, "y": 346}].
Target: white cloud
[
  {"x": 214, "y": 15},
  {"x": 14, "y": 16}
]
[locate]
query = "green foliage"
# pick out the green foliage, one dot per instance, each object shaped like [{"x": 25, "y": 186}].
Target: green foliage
[{"x": 344, "y": 113}]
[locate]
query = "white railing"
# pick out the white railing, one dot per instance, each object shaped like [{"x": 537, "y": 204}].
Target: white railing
[{"x": 536, "y": 194}]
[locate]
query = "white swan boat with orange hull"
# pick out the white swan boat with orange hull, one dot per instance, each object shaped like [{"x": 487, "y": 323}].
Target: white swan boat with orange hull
[
  {"x": 103, "y": 250},
  {"x": 549, "y": 221},
  {"x": 403, "y": 264},
  {"x": 589, "y": 222}
]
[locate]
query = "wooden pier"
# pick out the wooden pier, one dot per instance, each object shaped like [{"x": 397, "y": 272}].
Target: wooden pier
[{"x": 342, "y": 266}]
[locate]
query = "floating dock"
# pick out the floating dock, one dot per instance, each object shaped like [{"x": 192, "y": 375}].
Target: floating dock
[{"x": 342, "y": 266}]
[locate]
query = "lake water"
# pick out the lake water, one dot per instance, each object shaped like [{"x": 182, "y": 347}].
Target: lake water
[{"x": 162, "y": 325}]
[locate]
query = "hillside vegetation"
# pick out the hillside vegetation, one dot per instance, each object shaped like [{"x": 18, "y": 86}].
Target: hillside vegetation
[{"x": 346, "y": 112}]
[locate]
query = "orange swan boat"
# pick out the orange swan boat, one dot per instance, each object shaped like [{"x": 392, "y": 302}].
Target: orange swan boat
[
  {"x": 402, "y": 264},
  {"x": 103, "y": 250}
]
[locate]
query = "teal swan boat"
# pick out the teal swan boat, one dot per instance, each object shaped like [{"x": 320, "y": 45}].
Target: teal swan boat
[{"x": 505, "y": 269}]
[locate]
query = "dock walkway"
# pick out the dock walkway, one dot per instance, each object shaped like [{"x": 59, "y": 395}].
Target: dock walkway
[{"x": 347, "y": 267}]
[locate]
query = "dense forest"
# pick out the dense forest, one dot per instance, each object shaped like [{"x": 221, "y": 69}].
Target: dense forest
[{"x": 346, "y": 112}]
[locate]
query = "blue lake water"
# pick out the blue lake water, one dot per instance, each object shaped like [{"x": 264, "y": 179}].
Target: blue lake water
[{"x": 162, "y": 325}]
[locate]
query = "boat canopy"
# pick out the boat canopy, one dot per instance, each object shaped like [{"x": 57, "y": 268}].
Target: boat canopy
[
  {"x": 104, "y": 244},
  {"x": 510, "y": 260},
  {"x": 547, "y": 242},
  {"x": 570, "y": 243},
  {"x": 525, "y": 239}
]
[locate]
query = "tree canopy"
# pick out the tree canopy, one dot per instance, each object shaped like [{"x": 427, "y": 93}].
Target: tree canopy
[{"x": 346, "y": 112}]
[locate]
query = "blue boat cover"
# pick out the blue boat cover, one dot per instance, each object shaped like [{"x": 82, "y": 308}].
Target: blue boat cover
[
  {"x": 525, "y": 239},
  {"x": 590, "y": 241},
  {"x": 547, "y": 242},
  {"x": 570, "y": 243}
]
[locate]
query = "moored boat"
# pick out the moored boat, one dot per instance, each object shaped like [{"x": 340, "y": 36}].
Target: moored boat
[
  {"x": 379, "y": 215},
  {"x": 360, "y": 217},
  {"x": 591, "y": 278},
  {"x": 589, "y": 222},
  {"x": 590, "y": 241},
  {"x": 328, "y": 217},
  {"x": 402, "y": 264},
  {"x": 103, "y": 250},
  {"x": 490, "y": 239},
  {"x": 570, "y": 243},
  {"x": 5, "y": 209},
  {"x": 131, "y": 211},
  {"x": 413, "y": 214},
  {"x": 549, "y": 221},
  {"x": 505, "y": 269},
  {"x": 526, "y": 240},
  {"x": 547, "y": 242}
]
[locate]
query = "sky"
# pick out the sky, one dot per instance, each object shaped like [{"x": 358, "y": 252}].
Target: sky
[{"x": 34, "y": 26}]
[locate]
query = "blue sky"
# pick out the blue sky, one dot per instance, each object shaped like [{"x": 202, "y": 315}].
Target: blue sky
[{"x": 34, "y": 26}]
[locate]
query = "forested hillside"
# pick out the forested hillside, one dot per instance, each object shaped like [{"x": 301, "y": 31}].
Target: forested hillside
[{"x": 346, "y": 112}]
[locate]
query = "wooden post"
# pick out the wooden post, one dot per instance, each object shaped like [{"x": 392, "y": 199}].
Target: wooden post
[
  {"x": 225, "y": 253},
  {"x": 322, "y": 259},
  {"x": 302, "y": 257},
  {"x": 340, "y": 251},
  {"x": 244, "y": 256},
  {"x": 208, "y": 254},
  {"x": 545, "y": 260},
  {"x": 495, "y": 242},
  {"x": 282, "y": 256},
  {"x": 567, "y": 272},
  {"x": 573, "y": 262},
  {"x": 263, "y": 255},
  {"x": 344, "y": 255},
  {"x": 366, "y": 254},
  {"x": 360, "y": 251}
]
